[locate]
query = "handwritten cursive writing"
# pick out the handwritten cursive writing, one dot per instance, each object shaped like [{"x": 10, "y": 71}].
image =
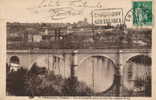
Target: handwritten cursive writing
[
  {"x": 56, "y": 3},
  {"x": 61, "y": 13},
  {"x": 60, "y": 9}
]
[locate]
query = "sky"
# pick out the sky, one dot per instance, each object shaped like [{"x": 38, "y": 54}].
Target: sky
[{"x": 28, "y": 11}]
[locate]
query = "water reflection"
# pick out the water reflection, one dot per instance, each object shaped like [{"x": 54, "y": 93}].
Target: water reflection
[{"x": 97, "y": 72}]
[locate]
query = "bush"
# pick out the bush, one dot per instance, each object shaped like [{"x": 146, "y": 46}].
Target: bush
[
  {"x": 15, "y": 82},
  {"x": 72, "y": 87},
  {"x": 43, "y": 85},
  {"x": 39, "y": 82}
]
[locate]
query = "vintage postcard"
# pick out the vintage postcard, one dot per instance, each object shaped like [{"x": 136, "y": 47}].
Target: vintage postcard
[{"x": 77, "y": 49}]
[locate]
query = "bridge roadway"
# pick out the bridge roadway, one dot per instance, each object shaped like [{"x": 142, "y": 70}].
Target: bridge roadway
[{"x": 80, "y": 51}]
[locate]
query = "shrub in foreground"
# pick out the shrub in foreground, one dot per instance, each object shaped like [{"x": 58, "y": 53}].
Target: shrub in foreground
[{"x": 39, "y": 82}]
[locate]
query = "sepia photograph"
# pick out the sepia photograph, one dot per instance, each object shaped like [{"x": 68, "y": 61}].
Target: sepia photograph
[{"x": 78, "y": 48}]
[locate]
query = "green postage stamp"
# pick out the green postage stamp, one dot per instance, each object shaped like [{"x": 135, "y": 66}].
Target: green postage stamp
[{"x": 142, "y": 13}]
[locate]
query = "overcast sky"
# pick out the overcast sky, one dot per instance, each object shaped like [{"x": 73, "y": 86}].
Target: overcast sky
[{"x": 25, "y": 10}]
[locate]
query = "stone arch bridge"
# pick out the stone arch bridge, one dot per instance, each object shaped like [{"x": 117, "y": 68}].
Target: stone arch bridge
[
  {"x": 27, "y": 57},
  {"x": 67, "y": 58}
]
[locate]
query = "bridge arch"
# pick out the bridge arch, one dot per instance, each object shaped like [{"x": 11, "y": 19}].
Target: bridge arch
[
  {"x": 127, "y": 56},
  {"x": 14, "y": 59},
  {"x": 94, "y": 70},
  {"x": 144, "y": 58},
  {"x": 102, "y": 55},
  {"x": 137, "y": 74}
]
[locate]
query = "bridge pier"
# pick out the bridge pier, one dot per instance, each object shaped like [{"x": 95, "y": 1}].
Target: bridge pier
[{"x": 74, "y": 63}]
